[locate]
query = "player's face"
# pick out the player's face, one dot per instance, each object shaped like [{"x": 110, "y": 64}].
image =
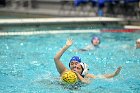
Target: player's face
[
  {"x": 76, "y": 67},
  {"x": 95, "y": 42}
]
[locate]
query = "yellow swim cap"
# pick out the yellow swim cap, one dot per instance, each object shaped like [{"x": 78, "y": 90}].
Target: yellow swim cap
[{"x": 69, "y": 77}]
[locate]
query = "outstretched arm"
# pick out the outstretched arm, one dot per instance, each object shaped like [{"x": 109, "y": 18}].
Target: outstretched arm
[
  {"x": 113, "y": 74},
  {"x": 59, "y": 65},
  {"x": 107, "y": 76}
]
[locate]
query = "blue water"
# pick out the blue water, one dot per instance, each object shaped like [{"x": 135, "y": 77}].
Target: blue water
[{"x": 27, "y": 64}]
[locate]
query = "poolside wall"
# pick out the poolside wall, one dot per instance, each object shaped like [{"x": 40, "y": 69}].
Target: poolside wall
[{"x": 59, "y": 8}]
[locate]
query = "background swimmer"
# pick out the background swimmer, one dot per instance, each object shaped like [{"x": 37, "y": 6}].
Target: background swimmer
[
  {"x": 75, "y": 64},
  {"x": 138, "y": 43},
  {"x": 136, "y": 46},
  {"x": 95, "y": 41}
]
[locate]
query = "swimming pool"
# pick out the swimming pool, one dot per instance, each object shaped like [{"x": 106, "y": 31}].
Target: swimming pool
[{"x": 27, "y": 64}]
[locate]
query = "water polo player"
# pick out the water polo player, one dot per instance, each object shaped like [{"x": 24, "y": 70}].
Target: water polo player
[
  {"x": 95, "y": 41},
  {"x": 77, "y": 66},
  {"x": 138, "y": 43}
]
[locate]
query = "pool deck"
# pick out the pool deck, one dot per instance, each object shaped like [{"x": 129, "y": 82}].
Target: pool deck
[{"x": 59, "y": 20}]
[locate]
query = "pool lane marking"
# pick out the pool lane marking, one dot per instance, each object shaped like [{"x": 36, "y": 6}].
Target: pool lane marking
[
  {"x": 119, "y": 30},
  {"x": 48, "y": 32}
]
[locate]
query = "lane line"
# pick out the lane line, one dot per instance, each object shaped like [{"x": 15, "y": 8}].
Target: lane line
[{"x": 48, "y": 32}]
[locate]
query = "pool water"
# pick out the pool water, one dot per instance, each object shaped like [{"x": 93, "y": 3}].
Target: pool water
[{"x": 27, "y": 64}]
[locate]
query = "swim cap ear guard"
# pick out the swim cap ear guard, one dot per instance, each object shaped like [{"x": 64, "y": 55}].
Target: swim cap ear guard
[{"x": 85, "y": 68}]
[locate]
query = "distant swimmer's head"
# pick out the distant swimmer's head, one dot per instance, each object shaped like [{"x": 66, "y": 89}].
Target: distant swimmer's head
[
  {"x": 74, "y": 61},
  {"x": 138, "y": 43},
  {"x": 84, "y": 69},
  {"x": 95, "y": 41}
]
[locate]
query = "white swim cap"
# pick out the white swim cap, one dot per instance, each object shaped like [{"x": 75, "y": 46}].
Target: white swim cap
[
  {"x": 138, "y": 40},
  {"x": 85, "y": 68}
]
